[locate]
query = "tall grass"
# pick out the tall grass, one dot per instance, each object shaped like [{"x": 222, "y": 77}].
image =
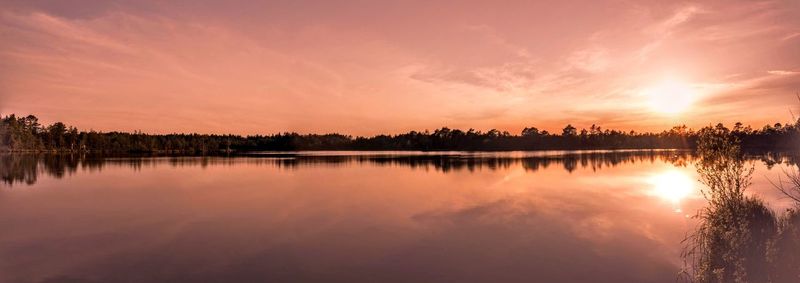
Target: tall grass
[
  {"x": 738, "y": 238},
  {"x": 786, "y": 254}
]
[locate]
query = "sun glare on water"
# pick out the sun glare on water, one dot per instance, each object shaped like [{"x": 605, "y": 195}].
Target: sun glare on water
[
  {"x": 672, "y": 186},
  {"x": 670, "y": 97}
]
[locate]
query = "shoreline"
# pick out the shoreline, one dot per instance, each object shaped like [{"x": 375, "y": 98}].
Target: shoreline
[{"x": 268, "y": 152}]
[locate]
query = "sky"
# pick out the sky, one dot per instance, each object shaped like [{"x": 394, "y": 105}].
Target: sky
[{"x": 370, "y": 67}]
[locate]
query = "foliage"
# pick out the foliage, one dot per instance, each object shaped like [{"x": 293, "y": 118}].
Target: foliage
[
  {"x": 738, "y": 239},
  {"x": 26, "y": 134},
  {"x": 785, "y": 259},
  {"x": 721, "y": 166}
]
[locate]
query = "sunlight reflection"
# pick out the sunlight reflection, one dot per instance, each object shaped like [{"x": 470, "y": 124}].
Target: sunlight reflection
[{"x": 673, "y": 186}]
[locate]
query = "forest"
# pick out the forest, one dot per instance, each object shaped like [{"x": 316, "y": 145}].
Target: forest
[{"x": 25, "y": 133}]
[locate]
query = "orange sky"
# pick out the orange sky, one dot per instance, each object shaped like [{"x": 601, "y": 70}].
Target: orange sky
[{"x": 368, "y": 67}]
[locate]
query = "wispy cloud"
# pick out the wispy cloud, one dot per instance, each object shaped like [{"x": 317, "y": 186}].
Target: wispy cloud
[
  {"x": 365, "y": 70},
  {"x": 782, "y": 72}
]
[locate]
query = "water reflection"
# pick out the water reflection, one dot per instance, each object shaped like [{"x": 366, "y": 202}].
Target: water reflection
[
  {"x": 673, "y": 185},
  {"x": 344, "y": 217},
  {"x": 26, "y": 168}
]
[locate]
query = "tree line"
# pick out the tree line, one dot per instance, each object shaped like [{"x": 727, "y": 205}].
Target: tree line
[{"x": 18, "y": 133}]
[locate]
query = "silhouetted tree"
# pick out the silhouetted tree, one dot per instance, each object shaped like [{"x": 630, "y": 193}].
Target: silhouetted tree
[
  {"x": 530, "y": 132},
  {"x": 569, "y": 131},
  {"x": 26, "y": 133}
]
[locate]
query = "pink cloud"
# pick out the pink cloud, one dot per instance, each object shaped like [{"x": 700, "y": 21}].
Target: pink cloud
[{"x": 257, "y": 67}]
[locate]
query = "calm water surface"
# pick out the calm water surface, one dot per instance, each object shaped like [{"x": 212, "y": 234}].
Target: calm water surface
[{"x": 354, "y": 217}]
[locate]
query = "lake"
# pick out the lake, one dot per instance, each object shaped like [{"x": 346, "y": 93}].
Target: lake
[{"x": 552, "y": 216}]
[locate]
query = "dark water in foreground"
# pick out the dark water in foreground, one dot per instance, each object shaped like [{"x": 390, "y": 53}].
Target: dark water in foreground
[{"x": 354, "y": 217}]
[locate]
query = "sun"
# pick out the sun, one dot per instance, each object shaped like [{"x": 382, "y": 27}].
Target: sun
[{"x": 670, "y": 97}]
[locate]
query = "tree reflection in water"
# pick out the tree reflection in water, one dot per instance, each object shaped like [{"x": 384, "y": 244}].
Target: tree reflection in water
[{"x": 26, "y": 168}]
